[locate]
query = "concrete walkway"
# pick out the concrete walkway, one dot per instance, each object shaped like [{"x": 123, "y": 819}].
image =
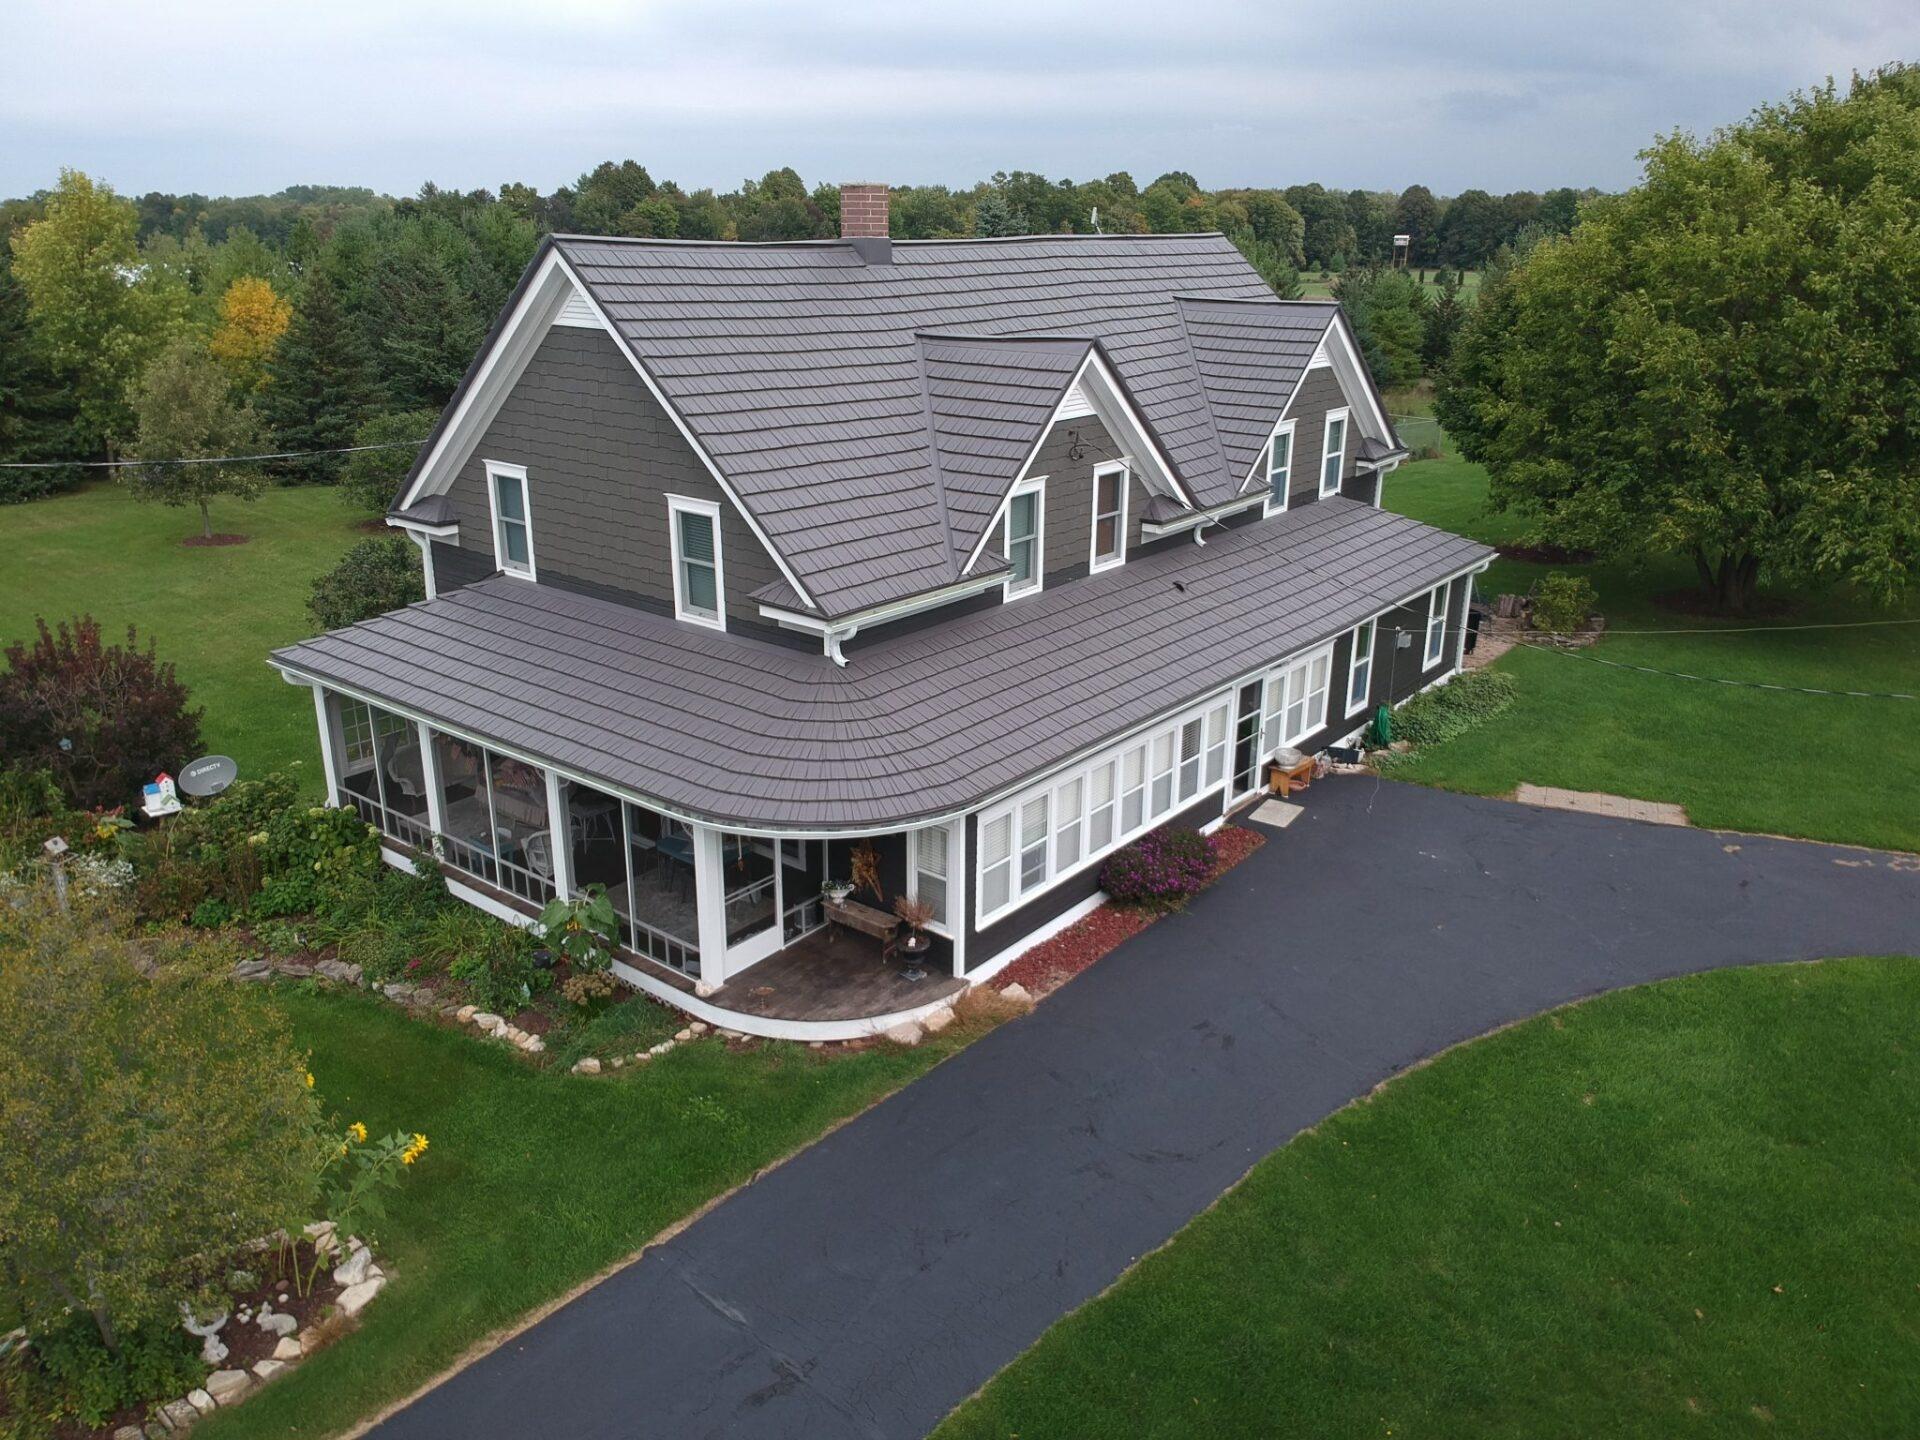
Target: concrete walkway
[{"x": 872, "y": 1283}]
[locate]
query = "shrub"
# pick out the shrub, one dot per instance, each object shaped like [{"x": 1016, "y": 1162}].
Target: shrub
[
  {"x": 1452, "y": 709},
  {"x": 1561, "y": 603},
  {"x": 372, "y": 478},
  {"x": 227, "y": 822},
  {"x": 1161, "y": 870},
  {"x": 501, "y": 974},
  {"x": 372, "y": 578},
  {"x": 100, "y": 719},
  {"x": 335, "y": 846},
  {"x": 69, "y": 1375},
  {"x": 157, "y": 1119},
  {"x": 210, "y": 914}
]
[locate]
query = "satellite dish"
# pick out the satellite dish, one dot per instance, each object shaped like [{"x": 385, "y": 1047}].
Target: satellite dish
[{"x": 208, "y": 775}]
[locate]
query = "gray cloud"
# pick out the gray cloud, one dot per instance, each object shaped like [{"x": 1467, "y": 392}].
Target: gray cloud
[{"x": 227, "y": 96}]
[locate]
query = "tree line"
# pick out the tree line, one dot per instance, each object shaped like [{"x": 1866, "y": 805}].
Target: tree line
[{"x": 174, "y": 326}]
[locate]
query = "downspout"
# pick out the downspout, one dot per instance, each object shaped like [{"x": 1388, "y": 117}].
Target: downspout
[{"x": 831, "y": 641}]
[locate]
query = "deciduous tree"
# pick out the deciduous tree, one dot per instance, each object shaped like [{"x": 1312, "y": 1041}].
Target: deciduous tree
[
  {"x": 371, "y": 480},
  {"x": 186, "y": 413},
  {"x": 1724, "y": 361},
  {"x": 252, "y": 320}
]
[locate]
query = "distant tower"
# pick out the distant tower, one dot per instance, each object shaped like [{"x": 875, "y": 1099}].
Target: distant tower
[{"x": 1402, "y": 251}]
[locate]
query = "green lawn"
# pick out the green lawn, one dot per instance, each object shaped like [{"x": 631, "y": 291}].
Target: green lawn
[
  {"x": 214, "y": 612},
  {"x": 535, "y": 1180},
  {"x": 1818, "y": 766},
  {"x": 1312, "y": 287},
  {"x": 1683, "y": 1210}
]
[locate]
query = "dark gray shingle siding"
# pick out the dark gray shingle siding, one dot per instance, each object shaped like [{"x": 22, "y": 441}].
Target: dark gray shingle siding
[{"x": 927, "y": 723}]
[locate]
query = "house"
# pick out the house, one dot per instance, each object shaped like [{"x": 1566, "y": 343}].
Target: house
[{"x": 975, "y": 559}]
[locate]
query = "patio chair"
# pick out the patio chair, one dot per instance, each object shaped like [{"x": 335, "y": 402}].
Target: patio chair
[
  {"x": 405, "y": 770},
  {"x": 538, "y": 848}
]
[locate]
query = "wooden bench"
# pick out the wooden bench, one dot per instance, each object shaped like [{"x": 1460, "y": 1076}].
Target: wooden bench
[
  {"x": 1282, "y": 779},
  {"x": 864, "y": 918}
]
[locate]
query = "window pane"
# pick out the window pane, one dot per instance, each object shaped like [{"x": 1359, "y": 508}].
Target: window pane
[
  {"x": 696, "y": 537},
  {"x": 1100, "y": 829},
  {"x": 702, "y": 590},
  {"x": 1067, "y": 846},
  {"x": 1279, "y": 462},
  {"x": 513, "y": 500},
  {"x": 513, "y": 537},
  {"x": 994, "y": 883},
  {"x": 1106, "y": 536},
  {"x": 1033, "y": 821},
  {"x": 1107, "y": 492},
  {"x": 932, "y": 850},
  {"x": 1022, "y": 516},
  {"x": 1132, "y": 810},
  {"x": 1101, "y": 781},
  {"x": 996, "y": 839},
  {"x": 1133, "y": 767},
  {"x": 933, "y": 890}
]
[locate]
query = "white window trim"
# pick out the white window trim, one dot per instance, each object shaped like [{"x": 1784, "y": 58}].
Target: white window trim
[
  {"x": 676, "y": 504},
  {"x": 1267, "y": 507},
  {"x": 1035, "y": 485},
  {"x": 1434, "y": 646},
  {"x": 1304, "y": 661},
  {"x": 1371, "y": 629},
  {"x": 1345, "y": 418},
  {"x": 943, "y": 927},
  {"x": 1095, "y": 561},
  {"x": 496, "y": 471}
]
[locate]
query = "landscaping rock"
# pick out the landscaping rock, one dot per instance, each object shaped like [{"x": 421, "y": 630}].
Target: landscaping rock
[
  {"x": 267, "y": 1369},
  {"x": 338, "y": 970},
  {"x": 129, "y": 1432},
  {"x": 1018, "y": 993},
  {"x": 155, "y": 1431},
  {"x": 353, "y": 1269},
  {"x": 619, "y": 1062},
  {"x": 937, "y": 1021},
  {"x": 488, "y": 1021},
  {"x": 229, "y": 1387},
  {"x": 661, "y": 1048},
  {"x": 354, "y": 1298},
  {"x": 201, "y": 1401},
  {"x": 397, "y": 991},
  {"x": 906, "y": 1033},
  {"x": 683, "y": 1035},
  {"x": 642, "y": 1058},
  {"x": 253, "y": 970},
  {"x": 588, "y": 1066},
  {"x": 466, "y": 1013},
  {"x": 178, "y": 1414},
  {"x": 288, "y": 1349},
  {"x": 698, "y": 1027},
  {"x": 282, "y": 1325},
  {"x": 534, "y": 1045},
  {"x": 293, "y": 969}
]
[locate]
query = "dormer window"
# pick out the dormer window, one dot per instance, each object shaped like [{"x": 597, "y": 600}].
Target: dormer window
[
  {"x": 1109, "y": 517},
  {"x": 1026, "y": 514},
  {"x": 1333, "y": 454},
  {"x": 699, "y": 596},
  {"x": 512, "y": 519},
  {"x": 1278, "y": 461}
]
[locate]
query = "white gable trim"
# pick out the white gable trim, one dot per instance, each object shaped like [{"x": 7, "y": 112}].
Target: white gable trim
[
  {"x": 1096, "y": 384},
  {"x": 553, "y": 289},
  {"x": 575, "y": 311},
  {"x": 1338, "y": 351}
]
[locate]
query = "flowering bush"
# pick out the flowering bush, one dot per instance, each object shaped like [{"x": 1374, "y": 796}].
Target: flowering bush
[{"x": 1159, "y": 871}]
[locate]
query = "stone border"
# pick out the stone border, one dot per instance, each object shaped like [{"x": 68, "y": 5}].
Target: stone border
[{"x": 412, "y": 997}]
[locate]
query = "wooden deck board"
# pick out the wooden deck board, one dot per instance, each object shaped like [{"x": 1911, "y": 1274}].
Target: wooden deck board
[{"x": 830, "y": 975}]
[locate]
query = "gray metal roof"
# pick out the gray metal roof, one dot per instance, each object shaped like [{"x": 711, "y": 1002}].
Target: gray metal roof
[
  {"x": 812, "y": 379},
  {"x": 922, "y": 724}
]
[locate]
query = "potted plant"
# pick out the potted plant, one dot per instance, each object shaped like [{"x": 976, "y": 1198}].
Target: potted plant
[
  {"x": 836, "y": 890},
  {"x": 915, "y": 912}
]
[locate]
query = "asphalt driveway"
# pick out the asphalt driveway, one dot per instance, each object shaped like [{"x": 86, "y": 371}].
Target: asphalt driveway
[{"x": 869, "y": 1285}]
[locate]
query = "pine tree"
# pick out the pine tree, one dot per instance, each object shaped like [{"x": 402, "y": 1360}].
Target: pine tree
[
  {"x": 36, "y": 418},
  {"x": 322, "y": 388}
]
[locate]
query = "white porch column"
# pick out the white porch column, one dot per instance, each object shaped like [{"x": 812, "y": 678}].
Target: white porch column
[
  {"x": 1460, "y": 644},
  {"x": 329, "y": 744},
  {"x": 430, "y": 776},
  {"x": 709, "y": 888},
  {"x": 959, "y": 872},
  {"x": 559, "y": 835}
]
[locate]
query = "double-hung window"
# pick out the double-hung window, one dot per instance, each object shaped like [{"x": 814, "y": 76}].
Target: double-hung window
[
  {"x": 1133, "y": 789},
  {"x": 1333, "y": 453},
  {"x": 1100, "y": 800},
  {"x": 1068, "y": 824},
  {"x": 996, "y": 863},
  {"x": 1033, "y": 844},
  {"x": 512, "y": 519},
  {"x": 1360, "y": 667},
  {"x": 1192, "y": 744},
  {"x": 1297, "y": 700},
  {"x": 930, "y": 869},
  {"x": 1026, "y": 519},
  {"x": 1109, "y": 547},
  {"x": 1279, "y": 467},
  {"x": 1436, "y": 625},
  {"x": 699, "y": 594},
  {"x": 1162, "y": 774}
]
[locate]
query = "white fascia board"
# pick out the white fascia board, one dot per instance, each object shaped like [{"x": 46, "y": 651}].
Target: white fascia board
[
  {"x": 880, "y": 614},
  {"x": 1343, "y": 354},
  {"x": 431, "y": 532},
  {"x": 1110, "y": 407},
  {"x": 1157, "y": 530}
]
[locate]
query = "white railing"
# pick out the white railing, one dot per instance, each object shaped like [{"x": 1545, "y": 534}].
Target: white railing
[
  {"x": 411, "y": 830},
  {"x": 483, "y": 864}
]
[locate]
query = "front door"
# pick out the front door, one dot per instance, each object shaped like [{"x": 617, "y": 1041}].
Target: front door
[{"x": 1246, "y": 742}]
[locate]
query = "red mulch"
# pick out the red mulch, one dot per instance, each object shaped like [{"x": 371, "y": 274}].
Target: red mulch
[
  {"x": 201, "y": 542},
  {"x": 1052, "y": 963}
]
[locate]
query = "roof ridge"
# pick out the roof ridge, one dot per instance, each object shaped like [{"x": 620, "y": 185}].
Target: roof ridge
[
  {"x": 840, "y": 242},
  {"x": 933, "y": 455},
  {"x": 1200, "y": 384}
]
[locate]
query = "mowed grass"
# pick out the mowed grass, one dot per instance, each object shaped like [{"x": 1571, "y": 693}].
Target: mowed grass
[
  {"x": 1823, "y": 767},
  {"x": 1691, "y": 1210},
  {"x": 534, "y": 1181},
  {"x": 215, "y": 612},
  {"x": 1312, "y": 287}
]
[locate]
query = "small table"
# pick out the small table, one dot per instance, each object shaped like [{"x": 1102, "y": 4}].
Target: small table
[{"x": 1283, "y": 779}]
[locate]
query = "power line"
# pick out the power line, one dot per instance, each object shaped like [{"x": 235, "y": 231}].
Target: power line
[
  {"x": 203, "y": 459},
  {"x": 1717, "y": 679},
  {"x": 1764, "y": 629}
]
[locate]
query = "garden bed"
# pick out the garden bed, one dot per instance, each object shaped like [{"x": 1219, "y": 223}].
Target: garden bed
[{"x": 1054, "y": 961}]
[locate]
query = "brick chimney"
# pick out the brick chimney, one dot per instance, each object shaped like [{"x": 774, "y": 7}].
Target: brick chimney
[{"x": 863, "y": 221}]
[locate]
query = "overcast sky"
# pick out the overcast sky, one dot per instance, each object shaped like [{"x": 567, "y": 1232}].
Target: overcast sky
[{"x": 229, "y": 98}]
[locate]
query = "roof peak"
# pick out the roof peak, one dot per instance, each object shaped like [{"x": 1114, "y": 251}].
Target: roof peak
[{"x": 838, "y": 243}]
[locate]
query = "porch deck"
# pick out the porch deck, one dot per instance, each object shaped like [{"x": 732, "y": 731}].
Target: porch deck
[{"x": 830, "y": 975}]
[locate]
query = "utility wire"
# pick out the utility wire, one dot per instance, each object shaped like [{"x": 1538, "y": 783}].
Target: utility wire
[
  {"x": 1717, "y": 679},
  {"x": 204, "y": 459}
]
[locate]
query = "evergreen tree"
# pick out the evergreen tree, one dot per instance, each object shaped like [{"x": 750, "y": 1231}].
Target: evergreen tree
[
  {"x": 322, "y": 387},
  {"x": 36, "y": 418}
]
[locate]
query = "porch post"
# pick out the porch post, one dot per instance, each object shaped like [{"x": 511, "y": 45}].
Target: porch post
[
  {"x": 559, "y": 835},
  {"x": 959, "y": 871},
  {"x": 709, "y": 888},
  {"x": 430, "y": 775},
  {"x": 329, "y": 754},
  {"x": 1460, "y": 641}
]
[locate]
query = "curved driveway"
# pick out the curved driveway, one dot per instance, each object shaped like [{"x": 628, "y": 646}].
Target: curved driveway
[{"x": 867, "y": 1286}]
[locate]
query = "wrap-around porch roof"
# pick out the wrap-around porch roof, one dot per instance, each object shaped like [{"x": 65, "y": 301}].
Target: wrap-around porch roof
[{"x": 920, "y": 725}]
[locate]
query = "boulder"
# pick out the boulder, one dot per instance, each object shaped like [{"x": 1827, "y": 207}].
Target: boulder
[
  {"x": 129, "y": 1432},
  {"x": 937, "y": 1021},
  {"x": 178, "y": 1414},
  {"x": 1017, "y": 993},
  {"x": 353, "y": 1269},
  {"x": 466, "y": 1013},
  {"x": 338, "y": 970},
  {"x": 267, "y": 1369},
  {"x": 588, "y": 1066},
  {"x": 488, "y": 1021},
  {"x": 201, "y": 1401},
  {"x": 907, "y": 1032},
  {"x": 534, "y": 1045},
  {"x": 277, "y": 1324},
  {"x": 288, "y": 1349},
  {"x": 397, "y": 991},
  {"x": 229, "y": 1387},
  {"x": 354, "y": 1298}
]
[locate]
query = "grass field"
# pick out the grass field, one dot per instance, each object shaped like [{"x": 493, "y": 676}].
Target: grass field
[
  {"x": 535, "y": 1181},
  {"x": 1312, "y": 287},
  {"x": 214, "y": 612},
  {"x": 1673, "y": 1211},
  {"x": 1824, "y": 767}
]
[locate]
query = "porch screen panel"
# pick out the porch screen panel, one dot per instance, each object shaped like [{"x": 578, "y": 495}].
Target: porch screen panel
[
  {"x": 747, "y": 882},
  {"x": 659, "y": 901}
]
